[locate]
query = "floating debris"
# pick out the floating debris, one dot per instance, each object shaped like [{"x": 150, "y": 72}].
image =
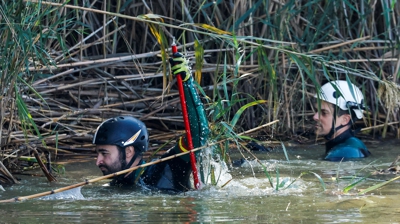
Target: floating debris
[{"x": 394, "y": 168}]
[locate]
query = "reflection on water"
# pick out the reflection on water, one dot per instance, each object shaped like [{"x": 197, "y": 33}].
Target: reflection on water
[{"x": 248, "y": 197}]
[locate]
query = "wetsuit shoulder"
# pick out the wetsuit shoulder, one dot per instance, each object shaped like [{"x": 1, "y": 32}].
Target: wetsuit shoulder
[
  {"x": 352, "y": 148},
  {"x": 172, "y": 175}
]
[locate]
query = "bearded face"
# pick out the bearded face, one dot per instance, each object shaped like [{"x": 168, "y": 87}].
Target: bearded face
[{"x": 109, "y": 159}]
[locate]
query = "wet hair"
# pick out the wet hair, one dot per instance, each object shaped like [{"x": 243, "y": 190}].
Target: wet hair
[
  {"x": 339, "y": 112},
  {"x": 122, "y": 156}
]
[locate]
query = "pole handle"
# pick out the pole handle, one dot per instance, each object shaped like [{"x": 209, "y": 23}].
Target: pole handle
[{"x": 186, "y": 122}]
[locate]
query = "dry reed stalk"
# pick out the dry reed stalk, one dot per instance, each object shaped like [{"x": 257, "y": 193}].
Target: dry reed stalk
[
  {"x": 46, "y": 172},
  {"x": 339, "y": 45},
  {"x": 4, "y": 171}
]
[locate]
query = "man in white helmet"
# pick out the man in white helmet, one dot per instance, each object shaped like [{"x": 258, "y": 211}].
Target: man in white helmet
[{"x": 339, "y": 104}]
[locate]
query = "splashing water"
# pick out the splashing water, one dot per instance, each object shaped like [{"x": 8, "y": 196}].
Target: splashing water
[
  {"x": 74, "y": 194},
  {"x": 213, "y": 170}
]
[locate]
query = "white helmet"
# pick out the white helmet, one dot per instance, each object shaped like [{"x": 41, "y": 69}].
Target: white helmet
[{"x": 349, "y": 97}]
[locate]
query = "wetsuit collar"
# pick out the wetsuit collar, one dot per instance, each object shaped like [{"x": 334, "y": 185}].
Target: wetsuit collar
[{"x": 339, "y": 139}]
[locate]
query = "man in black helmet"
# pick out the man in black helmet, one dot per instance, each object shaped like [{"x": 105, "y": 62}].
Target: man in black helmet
[{"x": 120, "y": 142}]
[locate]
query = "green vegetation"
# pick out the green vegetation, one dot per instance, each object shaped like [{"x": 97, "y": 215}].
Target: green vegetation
[{"x": 67, "y": 66}]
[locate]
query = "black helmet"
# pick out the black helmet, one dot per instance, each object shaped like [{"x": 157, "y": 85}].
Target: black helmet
[{"x": 122, "y": 131}]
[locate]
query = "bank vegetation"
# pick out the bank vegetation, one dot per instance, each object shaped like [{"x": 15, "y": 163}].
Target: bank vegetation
[{"x": 68, "y": 65}]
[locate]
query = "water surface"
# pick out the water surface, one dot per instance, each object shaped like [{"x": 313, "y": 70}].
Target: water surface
[{"x": 248, "y": 197}]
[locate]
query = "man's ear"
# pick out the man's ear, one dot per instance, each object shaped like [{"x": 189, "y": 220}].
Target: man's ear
[
  {"x": 130, "y": 152},
  {"x": 345, "y": 119}
]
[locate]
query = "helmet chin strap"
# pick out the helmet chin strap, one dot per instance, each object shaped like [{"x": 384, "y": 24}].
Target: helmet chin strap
[
  {"x": 127, "y": 166},
  {"x": 333, "y": 129}
]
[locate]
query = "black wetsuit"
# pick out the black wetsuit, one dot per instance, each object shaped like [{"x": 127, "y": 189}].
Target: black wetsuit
[{"x": 345, "y": 147}]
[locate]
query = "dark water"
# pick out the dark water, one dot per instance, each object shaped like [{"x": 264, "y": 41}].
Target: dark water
[{"x": 248, "y": 197}]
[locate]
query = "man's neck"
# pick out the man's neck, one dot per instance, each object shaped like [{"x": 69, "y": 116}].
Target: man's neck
[
  {"x": 343, "y": 136},
  {"x": 340, "y": 131},
  {"x": 135, "y": 163}
]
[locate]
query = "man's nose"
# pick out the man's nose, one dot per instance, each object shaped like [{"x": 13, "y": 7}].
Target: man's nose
[
  {"x": 99, "y": 160},
  {"x": 316, "y": 116}
]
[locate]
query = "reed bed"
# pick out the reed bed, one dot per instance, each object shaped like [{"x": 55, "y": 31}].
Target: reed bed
[{"x": 68, "y": 66}]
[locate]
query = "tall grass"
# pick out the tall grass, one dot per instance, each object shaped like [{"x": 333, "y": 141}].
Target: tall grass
[
  {"x": 256, "y": 61},
  {"x": 27, "y": 33}
]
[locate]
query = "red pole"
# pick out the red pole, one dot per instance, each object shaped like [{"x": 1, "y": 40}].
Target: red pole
[{"x": 186, "y": 122}]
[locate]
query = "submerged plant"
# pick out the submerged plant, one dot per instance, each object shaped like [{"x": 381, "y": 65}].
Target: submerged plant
[{"x": 357, "y": 179}]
